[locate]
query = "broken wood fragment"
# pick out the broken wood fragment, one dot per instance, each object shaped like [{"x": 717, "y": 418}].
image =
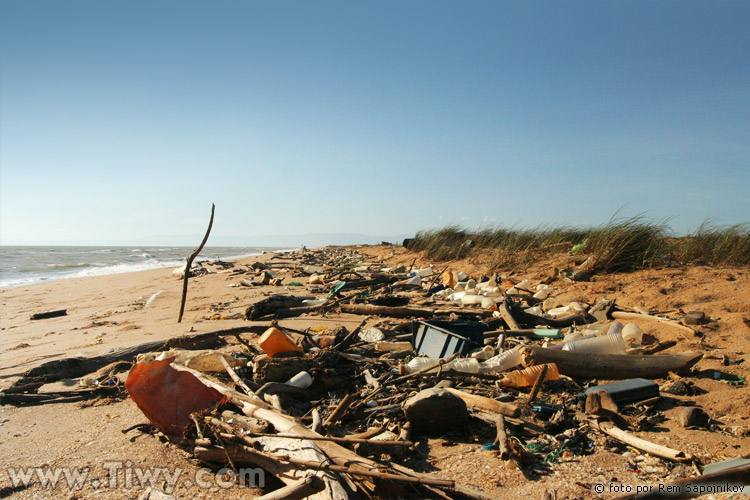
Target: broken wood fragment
[
  {"x": 49, "y": 314},
  {"x": 486, "y": 404}
]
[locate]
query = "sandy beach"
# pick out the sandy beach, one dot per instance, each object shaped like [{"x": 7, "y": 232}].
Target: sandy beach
[{"x": 108, "y": 312}]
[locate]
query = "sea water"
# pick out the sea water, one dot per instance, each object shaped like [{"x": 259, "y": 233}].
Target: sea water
[{"x": 28, "y": 265}]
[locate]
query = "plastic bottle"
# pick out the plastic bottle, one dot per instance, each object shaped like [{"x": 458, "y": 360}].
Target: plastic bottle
[
  {"x": 314, "y": 302},
  {"x": 615, "y": 327},
  {"x": 274, "y": 341},
  {"x": 536, "y": 310},
  {"x": 525, "y": 284},
  {"x": 488, "y": 302},
  {"x": 569, "y": 310},
  {"x": 502, "y": 362},
  {"x": 632, "y": 334},
  {"x": 470, "y": 300},
  {"x": 427, "y": 271},
  {"x": 612, "y": 343},
  {"x": 416, "y": 280},
  {"x": 467, "y": 365},
  {"x": 484, "y": 353},
  {"x": 303, "y": 380},
  {"x": 527, "y": 376}
]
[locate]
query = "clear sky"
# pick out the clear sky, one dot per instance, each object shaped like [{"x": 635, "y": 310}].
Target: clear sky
[{"x": 124, "y": 120}]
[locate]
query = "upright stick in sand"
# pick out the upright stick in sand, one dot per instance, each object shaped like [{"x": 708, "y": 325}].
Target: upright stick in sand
[{"x": 190, "y": 263}]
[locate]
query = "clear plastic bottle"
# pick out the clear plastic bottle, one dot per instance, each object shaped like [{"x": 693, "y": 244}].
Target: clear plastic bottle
[
  {"x": 502, "y": 362},
  {"x": 466, "y": 365},
  {"x": 527, "y": 376},
  {"x": 612, "y": 343}
]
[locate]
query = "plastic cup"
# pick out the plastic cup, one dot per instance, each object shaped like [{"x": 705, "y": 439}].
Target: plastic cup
[{"x": 612, "y": 343}]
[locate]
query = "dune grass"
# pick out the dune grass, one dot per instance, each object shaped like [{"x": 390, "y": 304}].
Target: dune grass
[{"x": 620, "y": 245}]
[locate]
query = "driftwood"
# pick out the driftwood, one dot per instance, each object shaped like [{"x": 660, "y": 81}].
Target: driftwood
[
  {"x": 537, "y": 385},
  {"x": 502, "y": 438},
  {"x": 609, "y": 366},
  {"x": 55, "y": 397},
  {"x": 486, "y": 404},
  {"x": 339, "y": 411},
  {"x": 273, "y": 304},
  {"x": 376, "y": 280},
  {"x": 651, "y": 448},
  {"x": 647, "y": 317},
  {"x": 49, "y": 314},
  {"x": 339, "y": 455},
  {"x": 74, "y": 367},
  {"x": 190, "y": 260},
  {"x": 302, "y": 451},
  {"x": 408, "y": 312},
  {"x": 395, "y": 312},
  {"x": 508, "y": 316}
]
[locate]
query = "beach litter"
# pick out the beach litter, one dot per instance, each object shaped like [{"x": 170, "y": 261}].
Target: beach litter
[{"x": 334, "y": 413}]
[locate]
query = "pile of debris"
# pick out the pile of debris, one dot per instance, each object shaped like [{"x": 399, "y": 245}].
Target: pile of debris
[{"x": 334, "y": 413}]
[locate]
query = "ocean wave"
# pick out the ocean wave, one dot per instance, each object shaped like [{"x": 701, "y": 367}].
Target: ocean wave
[{"x": 63, "y": 266}]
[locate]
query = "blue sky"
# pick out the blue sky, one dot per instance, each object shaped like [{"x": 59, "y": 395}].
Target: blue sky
[{"x": 121, "y": 121}]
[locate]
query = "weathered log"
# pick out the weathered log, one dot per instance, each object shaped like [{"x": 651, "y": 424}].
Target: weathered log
[
  {"x": 271, "y": 305},
  {"x": 609, "y": 366},
  {"x": 376, "y": 280},
  {"x": 190, "y": 263},
  {"x": 395, "y": 312},
  {"x": 486, "y": 404},
  {"x": 74, "y": 367},
  {"x": 643, "y": 445}
]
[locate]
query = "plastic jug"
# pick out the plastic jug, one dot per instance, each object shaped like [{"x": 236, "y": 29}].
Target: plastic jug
[
  {"x": 612, "y": 343},
  {"x": 502, "y": 362},
  {"x": 274, "y": 341},
  {"x": 527, "y": 376}
]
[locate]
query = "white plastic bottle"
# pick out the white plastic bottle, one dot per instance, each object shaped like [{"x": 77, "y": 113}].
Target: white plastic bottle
[
  {"x": 467, "y": 365},
  {"x": 502, "y": 362}
]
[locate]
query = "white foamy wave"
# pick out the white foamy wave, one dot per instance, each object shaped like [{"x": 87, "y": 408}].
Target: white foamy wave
[{"x": 63, "y": 266}]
